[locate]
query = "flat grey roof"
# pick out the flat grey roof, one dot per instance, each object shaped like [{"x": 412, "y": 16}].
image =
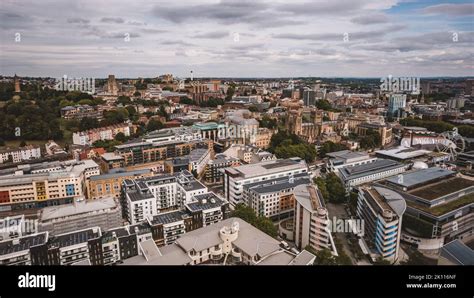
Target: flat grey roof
[
  {"x": 267, "y": 167},
  {"x": 137, "y": 196},
  {"x": 168, "y": 217},
  {"x": 377, "y": 166},
  {"x": 277, "y": 184},
  {"x": 205, "y": 201},
  {"x": 420, "y": 176},
  {"x": 77, "y": 208},
  {"x": 120, "y": 174}
]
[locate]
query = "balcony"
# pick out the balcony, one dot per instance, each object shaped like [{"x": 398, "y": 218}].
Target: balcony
[
  {"x": 237, "y": 254},
  {"x": 216, "y": 254}
]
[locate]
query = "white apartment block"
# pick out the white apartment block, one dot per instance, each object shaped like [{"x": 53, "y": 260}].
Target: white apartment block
[
  {"x": 236, "y": 177},
  {"x": 20, "y": 154},
  {"x": 311, "y": 221},
  {"x": 74, "y": 247},
  {"x": 274, "y": 197},
  {"x": 140, "y": 206},
  {"x": 188, "y": 187},
  {"x": 382, "y": 210}
]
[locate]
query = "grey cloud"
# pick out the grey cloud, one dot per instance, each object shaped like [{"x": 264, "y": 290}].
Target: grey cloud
[
  {"x": 112, "y": 20},
  {"x": 77, "y": 21},
  {"x": 451, "y": 9},
  {"x": 212, "y": 35},
  {"x": 340, "y": 36},
  {"x": 153, "y": 31},
  {"x": 370, "y": 19},
  {"x": 175, "y": 42},
  {"x": 320, "y": 8},
  {"x": 136, "y": 23}
]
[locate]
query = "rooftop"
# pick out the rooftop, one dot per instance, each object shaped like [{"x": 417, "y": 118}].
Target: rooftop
[
  {"x": 458, "y": 253},
  {"x": 433, "y": 191},
  {"x": 266, "y": 168},
  {"x": 23, "y": 243},
  {"x": 168, "y": 217},
  {"x": 414, "y": 178},
  {"x": 250, "y": 240},
  {"x": 76, "y": 237},
  {"x": 135, "y": 196},
  {"x": 278, "y": 184},
  {"x": 120, "y": 174},
  {"x": 379, "y": 165},
  {"x": 78, "y": 208},
  {"x": 403, "y": 153},
  {"x": 205, "y": 202}
]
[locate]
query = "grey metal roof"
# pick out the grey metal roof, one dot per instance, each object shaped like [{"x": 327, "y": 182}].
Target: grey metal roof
[
  {"x": 279, "y": 184},
  {"x": 458, "y": 252},
  {"x": 419, "y": 177},
  {"x": 377, "y": 166}
]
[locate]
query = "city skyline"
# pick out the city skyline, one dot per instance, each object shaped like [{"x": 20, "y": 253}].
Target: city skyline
[{"x": 246, "y": 39}]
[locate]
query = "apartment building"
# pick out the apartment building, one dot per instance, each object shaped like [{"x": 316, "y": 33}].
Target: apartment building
[
  {"x": 188, "y": 187},
  {"x": 206, "y": 209},
  {"x": 15, "y": 155},
  {"x": 145, "y": 152},
  {"x": 274, "y": 198},
  {"x": 229, "y": 242},
  {"x": 139, "y": 204},
  {"x": 81, "y": 111},
  {"x": 40, "y": 190},
  {"x": 382, "y": 211},
  {"x": 198, "y": 159},
  {"x": 88, "y": 137},
  {"x": 17, "y": 251},
  {"x": 311, "y": 220},
  {"x": 110, "y": 185},
  {"x": 235, "y": 178},
  {"x": 214, "y": 169},
  {"x": 74, "y": 247}
]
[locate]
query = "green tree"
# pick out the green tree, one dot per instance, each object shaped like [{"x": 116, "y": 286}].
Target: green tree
[
  {"x": 335, "y": 188},
  {"x": 329, "y": 147},
  {"x": 88, "y": 123},
  {"x": 124, "y": 100},
  {"x": 324, "y": 257},
  {"x": 153, "y": 125},
  {"x": 381, "y": 261},
  {"x": 120, "y": 137}
]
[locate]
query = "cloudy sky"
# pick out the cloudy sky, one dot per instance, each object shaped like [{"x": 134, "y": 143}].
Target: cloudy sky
[{"x": 236, "y": 38}]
